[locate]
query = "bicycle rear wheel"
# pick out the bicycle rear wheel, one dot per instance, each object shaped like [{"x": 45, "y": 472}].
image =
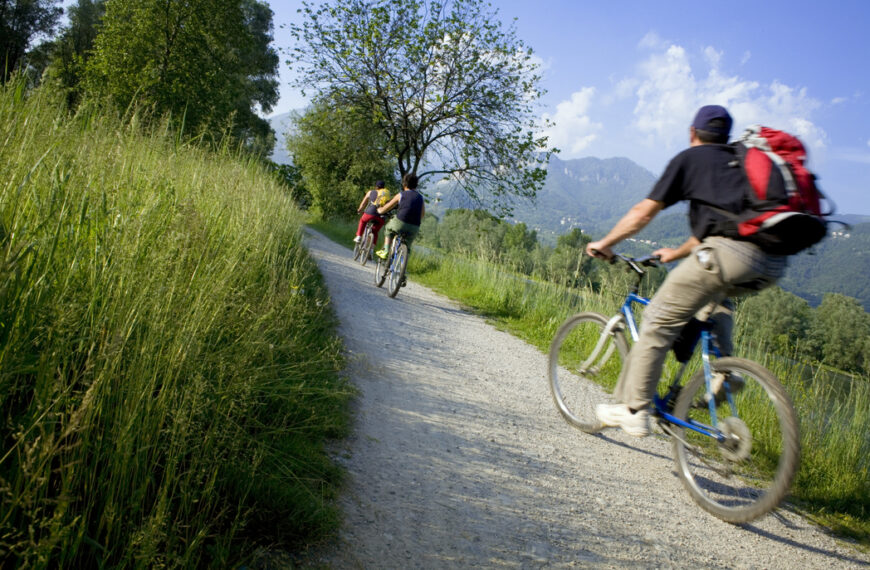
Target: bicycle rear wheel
[
  {"x": 397, "y": 269},
  {"x": 581, "y": 355},
  {"x": 750, "y": 472},
  {"x": 367, "y": 244},
  {"x": 381, "y": 270}
]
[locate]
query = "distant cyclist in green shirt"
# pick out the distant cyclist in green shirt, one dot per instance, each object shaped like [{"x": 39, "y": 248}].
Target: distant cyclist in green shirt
[{"x": 408, "y": 217}]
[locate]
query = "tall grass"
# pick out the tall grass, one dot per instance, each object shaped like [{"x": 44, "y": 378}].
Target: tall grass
[
  {"x": 834, "y": 414},
  {"x": 168, "y": 363}
]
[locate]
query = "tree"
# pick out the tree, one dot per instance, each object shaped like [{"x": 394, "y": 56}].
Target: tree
[
  {"x": 776, "y": 318},
  {"x": 21, "y": 21},
  {"x": 337, "y": 152},
  {"x": 452, "y": 93},
  {"x": 206, "y": 63},
  {"x": 839, "y": 332},
  {"x": 66, "y": 56}
]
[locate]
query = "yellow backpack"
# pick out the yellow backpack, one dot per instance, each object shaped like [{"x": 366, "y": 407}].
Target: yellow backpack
[{"x": 383, "y": 197}]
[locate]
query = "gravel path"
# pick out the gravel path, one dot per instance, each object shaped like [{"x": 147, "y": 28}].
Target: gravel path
[{"x": 459, "y": 459}]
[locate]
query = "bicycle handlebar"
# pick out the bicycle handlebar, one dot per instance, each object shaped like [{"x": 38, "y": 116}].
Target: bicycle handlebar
[{"x": 636, "y": 264}]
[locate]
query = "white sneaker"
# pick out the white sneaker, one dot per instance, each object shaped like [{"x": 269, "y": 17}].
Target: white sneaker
[
  {"x": 618, "y": 415},
  {"x": 357, "y": 239}
]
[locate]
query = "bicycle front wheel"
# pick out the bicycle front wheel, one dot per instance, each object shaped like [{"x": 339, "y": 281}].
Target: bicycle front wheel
[
  {"x": 397, "y": 269},
  {"x": 750, "y": 470},
  {"x": 582, "y": 355},
  {"x": 367, "y": 244}
]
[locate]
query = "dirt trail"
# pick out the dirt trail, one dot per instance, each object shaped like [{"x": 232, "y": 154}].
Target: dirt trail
[{"x": 459, "y": 459}]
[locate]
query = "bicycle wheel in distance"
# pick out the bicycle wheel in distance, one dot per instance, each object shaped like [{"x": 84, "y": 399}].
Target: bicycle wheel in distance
[
  {"x": 367, "y": 244},
  {"x": 748, "y": 474},
  {"x": 357, "y": 249},
  {"x": 397, "y": 269},
  {"x": 581, "y": 357},
  {"x": 381, "y": 270}
]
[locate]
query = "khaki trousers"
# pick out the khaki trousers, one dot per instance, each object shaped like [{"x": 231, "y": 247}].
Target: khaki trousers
[{"x": 717, "y": 268}]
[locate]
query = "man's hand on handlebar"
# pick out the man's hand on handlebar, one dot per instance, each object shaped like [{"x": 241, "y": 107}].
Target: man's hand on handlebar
[{"x": 596, "y": 249}]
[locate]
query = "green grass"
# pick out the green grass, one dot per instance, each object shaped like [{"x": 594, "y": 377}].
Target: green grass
[
  {"x": 833, "y": 483},
  {"x": 169, "y": 368}
]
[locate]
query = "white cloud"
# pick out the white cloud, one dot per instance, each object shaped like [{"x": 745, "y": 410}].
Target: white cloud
[
  {"x": 669, "y": 86},
  {"x": 651, "y": 41},
  {"x": 868, "y": 142},
  {"x": 646, "y": 114},
  {"x": 573, "y": 130}
]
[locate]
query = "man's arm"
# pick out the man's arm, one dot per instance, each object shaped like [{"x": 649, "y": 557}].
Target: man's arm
[
  {"x": 363, "y": 203},
  {"x": 389, "y": 205},
  {"x": 632, "y": 222}
]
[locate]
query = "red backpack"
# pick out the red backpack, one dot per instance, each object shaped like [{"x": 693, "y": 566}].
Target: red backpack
[{"x": 783, "y": 207}]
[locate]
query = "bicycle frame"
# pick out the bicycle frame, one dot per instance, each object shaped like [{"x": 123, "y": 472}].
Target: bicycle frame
[{"x": 626, "y": 315}]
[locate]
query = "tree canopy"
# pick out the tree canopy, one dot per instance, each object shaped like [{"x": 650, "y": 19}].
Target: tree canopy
[
  {"x": 207, "y": 63},
  {"x": 339, "y": 156},
  {"x": 22, "y": 21},
  {"x": 452, "y": 93}
]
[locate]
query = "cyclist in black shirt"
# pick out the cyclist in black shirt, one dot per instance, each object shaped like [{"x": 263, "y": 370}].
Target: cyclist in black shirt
[
  {"x": 708, "y": 175},
  {"x": 412, "y": 208}
]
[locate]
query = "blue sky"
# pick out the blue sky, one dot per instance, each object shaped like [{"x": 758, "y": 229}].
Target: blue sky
[{"x": 624, "y": 78}]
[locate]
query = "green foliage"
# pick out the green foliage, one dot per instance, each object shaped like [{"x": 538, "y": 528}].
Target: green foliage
[
  {"x": 777, "y": 319},
  {"x": 337, "y": 150},
  {"x": 168, "y": 358},
  {"x": 840, "y": 333},
  {"x": 66, "y": 56},
  {"x": 20, "y": 22},
  {"x": 450, "y": 92},
  {"x": 207, "y": 63}
]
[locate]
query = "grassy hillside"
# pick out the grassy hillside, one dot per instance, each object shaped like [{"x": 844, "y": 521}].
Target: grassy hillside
[{"x": 168, "y": 362}]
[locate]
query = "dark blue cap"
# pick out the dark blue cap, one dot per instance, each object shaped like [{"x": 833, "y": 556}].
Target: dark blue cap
[
  {"x": 709, "y": 113},
  {"x": 379, "y": 184}
]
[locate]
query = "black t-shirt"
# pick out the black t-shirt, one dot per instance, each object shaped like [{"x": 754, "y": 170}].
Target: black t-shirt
[
  {"x": 410, "y": 207},
  {"x": 708, "y": 176}
]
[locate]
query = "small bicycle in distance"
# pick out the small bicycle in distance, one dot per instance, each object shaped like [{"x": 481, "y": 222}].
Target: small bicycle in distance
[
  {"x": 362, "y": 250},
  {"x": 393, "y": 266},
  {"x": 733, "y": 428}
]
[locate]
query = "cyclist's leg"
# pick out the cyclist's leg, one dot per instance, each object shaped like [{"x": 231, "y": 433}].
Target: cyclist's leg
[
  {"x": 684, "y": 292},
  {"x": 362, "y": 224},
  {"x": 717, "y": 268},
  {"x": 377, "y": 224},
  {"x": 390, "y": 230},
  {"x": 722, "y": 317}
]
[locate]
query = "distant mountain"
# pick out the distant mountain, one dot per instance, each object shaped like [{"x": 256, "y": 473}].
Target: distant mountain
[
  {"x": 586, "y": 193},
  {"x": 279, "y": 124},
  {"x": 839, "y": 264}
]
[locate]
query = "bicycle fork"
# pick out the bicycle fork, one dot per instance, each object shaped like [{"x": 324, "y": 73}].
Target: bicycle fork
[{"x": 596, "y": 360}]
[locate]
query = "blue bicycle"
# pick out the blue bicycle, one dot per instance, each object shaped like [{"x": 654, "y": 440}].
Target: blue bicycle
[{"x": 732, "y": 425}]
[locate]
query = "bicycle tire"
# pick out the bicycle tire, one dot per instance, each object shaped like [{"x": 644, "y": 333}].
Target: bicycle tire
[
  {"x": 357, "y": 248},
  {"x": 381, "y": 270},
  {"x": 572, "y": 374},
  {"x": 367, "y": 244},
  {"x": 749, "y": 475},
  {"x": 397, "y": 269}
]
